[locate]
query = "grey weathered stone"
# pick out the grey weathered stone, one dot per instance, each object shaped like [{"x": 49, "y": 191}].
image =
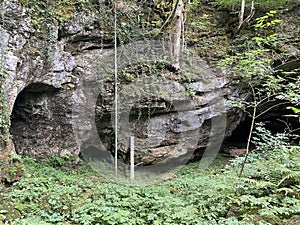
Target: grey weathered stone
[{"x": 10, "y": 62}]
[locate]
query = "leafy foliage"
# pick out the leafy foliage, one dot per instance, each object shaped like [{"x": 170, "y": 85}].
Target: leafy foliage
[
  {"x": 211, "y": 196},
  {"x": 273, "y": 175},
  {"x": 252, "y": 63},
  {"x": 4, "y": 112},
  {"x": 61, "y": 10},
  {"x": 264, "y": 4}
]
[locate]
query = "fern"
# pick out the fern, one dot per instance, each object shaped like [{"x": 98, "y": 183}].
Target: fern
[
  {"x": 292, "y": 176},
  {"x": 285, "y": 190},
  {"x": 259, "y": 183}
]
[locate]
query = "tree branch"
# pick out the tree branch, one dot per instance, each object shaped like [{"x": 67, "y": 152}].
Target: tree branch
[
  {"x": 249, "y": 17},
  {"x": 169, "y": 19},
  {"x": 268, "y": 109}
]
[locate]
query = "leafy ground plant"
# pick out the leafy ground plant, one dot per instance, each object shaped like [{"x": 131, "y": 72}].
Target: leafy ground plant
[{"x": 48, "y": 194}]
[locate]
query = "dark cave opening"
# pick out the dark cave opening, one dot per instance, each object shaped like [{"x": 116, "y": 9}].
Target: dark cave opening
[
  {"x": 39, "y": 124},
  {"x": 278, "y": 118}
]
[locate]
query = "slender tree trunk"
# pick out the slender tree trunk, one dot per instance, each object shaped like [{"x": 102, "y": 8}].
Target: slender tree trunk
[
  {"x": 251, "y": 14},
  {"x": 248, "y": 142},
  {"x": 241, "y": 17},
  {"x": 250, "y": 132},
  {"x": 176, "y": 34}
]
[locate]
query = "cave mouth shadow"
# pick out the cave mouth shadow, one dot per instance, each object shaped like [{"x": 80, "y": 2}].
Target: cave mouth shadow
[
  {"x": 38, "y": 121},
  {"x": 276, "y": 120}
]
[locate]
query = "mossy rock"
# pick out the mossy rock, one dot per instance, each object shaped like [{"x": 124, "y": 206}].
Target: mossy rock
[
  {"x": 8, "y": 212},
  {"x": 11, "y": 172}
]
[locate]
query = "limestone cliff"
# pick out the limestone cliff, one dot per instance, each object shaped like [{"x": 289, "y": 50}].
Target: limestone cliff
[{"x": 59, "y": 86}]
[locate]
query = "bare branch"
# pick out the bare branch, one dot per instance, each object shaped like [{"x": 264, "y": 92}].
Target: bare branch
[
  {"x": 249, "y": 17},
  {"x": 267, "y": 110},
  {"x": 251, "y": 14}
]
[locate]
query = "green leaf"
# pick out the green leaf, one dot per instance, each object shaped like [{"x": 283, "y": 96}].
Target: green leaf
[{"x": 296, "y": 110}]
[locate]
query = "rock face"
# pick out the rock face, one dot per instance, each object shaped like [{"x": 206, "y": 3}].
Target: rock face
[{"x": 60, "y": 92}]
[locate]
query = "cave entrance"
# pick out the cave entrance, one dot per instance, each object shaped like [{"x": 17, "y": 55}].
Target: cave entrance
[
  {"x": 278, "y": 118},
  {"x": 39, "y": 123}
]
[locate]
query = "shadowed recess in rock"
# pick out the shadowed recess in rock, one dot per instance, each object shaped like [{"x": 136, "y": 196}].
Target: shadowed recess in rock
[{"x": 39, "y": 121}]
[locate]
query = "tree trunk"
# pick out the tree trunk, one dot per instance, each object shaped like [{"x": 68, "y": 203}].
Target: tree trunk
[
  {"x": 241, "y": 17},
  {"x": 176, "y": 34}
]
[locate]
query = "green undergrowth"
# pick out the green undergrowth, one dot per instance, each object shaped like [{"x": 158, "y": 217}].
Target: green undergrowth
[{"x": 55, "y": 193}]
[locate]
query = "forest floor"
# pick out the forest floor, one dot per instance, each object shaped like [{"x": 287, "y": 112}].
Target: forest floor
[{"x": 55, "y": 192}]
